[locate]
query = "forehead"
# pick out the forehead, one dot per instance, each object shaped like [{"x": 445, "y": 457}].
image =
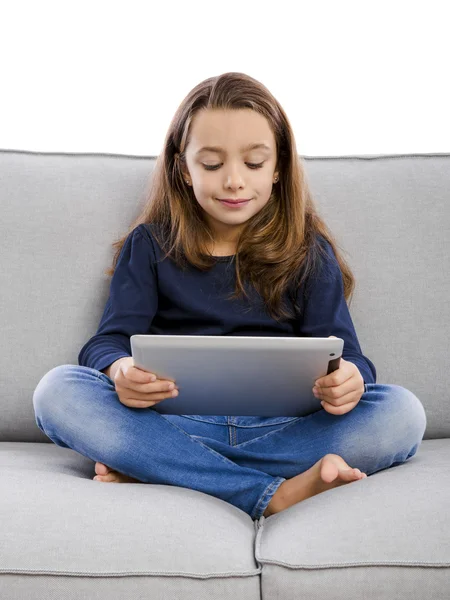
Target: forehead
[{"x": 223, "y": 131}]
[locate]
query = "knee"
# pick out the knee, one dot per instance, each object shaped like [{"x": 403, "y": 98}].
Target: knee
[
  {"x": 53, "y": 387},
  {"x": 401, "y": 413},
  {"x": 410, "y": 409},
  {"x": 388, "y": 427}
]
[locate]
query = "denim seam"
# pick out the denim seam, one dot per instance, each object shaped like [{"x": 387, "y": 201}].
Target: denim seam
[
  {"x": 242, "y": 426},
  {"x": 267, "y": 424},
  {"x": 202, "y": 421},
  {"x": 265, "y": 435},
  {"x": 266, "y": 497},
  {"x": 233, "y": 435},
  {"x": 211, "y": 450}
]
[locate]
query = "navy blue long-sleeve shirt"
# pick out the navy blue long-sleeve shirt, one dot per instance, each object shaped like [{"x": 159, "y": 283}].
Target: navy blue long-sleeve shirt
[{"x": 149, "y": 294}]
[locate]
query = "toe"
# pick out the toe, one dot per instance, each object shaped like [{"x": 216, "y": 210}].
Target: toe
[
  {"x": 109, "y": 477},
  {"x": 101, "y": 468},
  {"x": 329, "y": 471},
  {"x": 349, "y": 474}
]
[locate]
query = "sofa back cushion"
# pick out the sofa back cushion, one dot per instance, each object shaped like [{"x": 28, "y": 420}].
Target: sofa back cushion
[{"x": 60, "y": 214}]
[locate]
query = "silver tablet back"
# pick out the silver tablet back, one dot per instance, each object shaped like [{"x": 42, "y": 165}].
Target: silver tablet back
[{"x": 238, "y": 375}]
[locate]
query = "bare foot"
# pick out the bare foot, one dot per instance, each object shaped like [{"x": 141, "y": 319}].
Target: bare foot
[
  {"x": 329, "y": 472},
  {"x": 104, "y": 473}
]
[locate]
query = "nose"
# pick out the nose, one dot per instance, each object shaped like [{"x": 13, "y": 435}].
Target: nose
[{"x": 234, "y": 179}]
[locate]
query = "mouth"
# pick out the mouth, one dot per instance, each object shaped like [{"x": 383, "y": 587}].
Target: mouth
[{"x": 231, "y": 202}]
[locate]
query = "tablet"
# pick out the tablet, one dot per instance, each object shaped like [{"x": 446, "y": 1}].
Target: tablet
[{"x": 238, "y": 375}]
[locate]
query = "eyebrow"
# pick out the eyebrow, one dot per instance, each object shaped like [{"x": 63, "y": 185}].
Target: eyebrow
[{"x": 222, "y": 151}]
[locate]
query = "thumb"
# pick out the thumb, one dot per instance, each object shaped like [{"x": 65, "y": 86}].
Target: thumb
[{"x": 125, "y": 364}]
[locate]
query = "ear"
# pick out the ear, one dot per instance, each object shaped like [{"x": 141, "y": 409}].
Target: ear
[{"x": 184, "y": 172}]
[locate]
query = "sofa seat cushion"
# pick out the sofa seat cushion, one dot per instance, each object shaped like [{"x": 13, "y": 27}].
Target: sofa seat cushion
[
  {"x": 384, "y": 536},
  {"x": 57, "y": 521}
]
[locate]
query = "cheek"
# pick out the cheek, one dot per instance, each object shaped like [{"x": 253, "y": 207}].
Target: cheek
[
  {"x": 205, "y": 186},
  {"x": 266, "y": 190}
]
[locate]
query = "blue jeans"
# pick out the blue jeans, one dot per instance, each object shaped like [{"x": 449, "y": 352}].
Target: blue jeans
[{"x": 242, "y": 460}]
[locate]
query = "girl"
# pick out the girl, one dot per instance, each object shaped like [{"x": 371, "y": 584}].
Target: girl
[{"x": 229, "y": 243}]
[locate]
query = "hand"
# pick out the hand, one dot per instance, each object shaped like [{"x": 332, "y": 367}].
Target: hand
[
  {"x": 341, "y": 390},
  {"x": 136, "y": 389}
]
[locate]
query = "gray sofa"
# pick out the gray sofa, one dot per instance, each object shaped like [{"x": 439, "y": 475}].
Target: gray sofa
[{"x": 64, "y": 535}]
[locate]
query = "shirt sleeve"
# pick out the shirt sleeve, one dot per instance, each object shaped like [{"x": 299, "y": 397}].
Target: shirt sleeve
[
  {"x": 326, "y": 313},
  {"x": 131, "y": 305}
]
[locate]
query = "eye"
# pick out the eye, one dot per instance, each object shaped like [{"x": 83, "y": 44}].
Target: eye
[{"x": 251, "y": 165}]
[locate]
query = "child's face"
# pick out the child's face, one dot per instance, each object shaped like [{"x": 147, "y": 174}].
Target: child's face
[{"x": 233, "y": 177}]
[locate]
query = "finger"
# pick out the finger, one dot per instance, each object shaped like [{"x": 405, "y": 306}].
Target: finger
[
  {"x": 342, "y": 379},
  {"x": 138, "y": 402},
  {"x": 147, "y": 386},
  {"x": 338, "y": 394},
  {"x": 149, "y": 391},
  {"x": 339, "y": 410},
  {"x": 138, "y": 375},
  {"x": 133, "y": 403}
]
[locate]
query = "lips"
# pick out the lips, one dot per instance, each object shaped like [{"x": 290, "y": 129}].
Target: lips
[{"x": 233, "y": 201}]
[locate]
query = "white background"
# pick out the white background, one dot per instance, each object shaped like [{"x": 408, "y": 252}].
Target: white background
[{"x": 354, "y": 77}]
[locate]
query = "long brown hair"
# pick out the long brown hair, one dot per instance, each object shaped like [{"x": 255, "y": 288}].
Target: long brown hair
[{"x": 278, "y": 244}]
